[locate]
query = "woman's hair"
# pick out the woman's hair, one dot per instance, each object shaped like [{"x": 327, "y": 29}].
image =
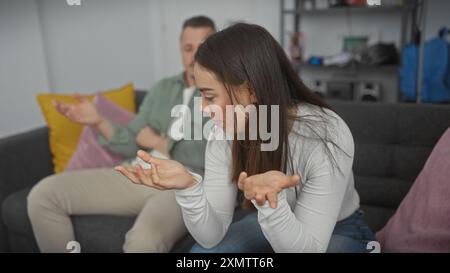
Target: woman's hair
[{"x": 246, "y": 53}]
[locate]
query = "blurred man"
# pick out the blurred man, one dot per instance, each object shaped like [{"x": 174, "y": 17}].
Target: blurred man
[{"x": 159, "y": 222}]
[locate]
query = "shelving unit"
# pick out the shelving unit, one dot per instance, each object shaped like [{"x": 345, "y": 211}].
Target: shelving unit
[
  {"x": 406, "y": 11},
  {"x": 356, "y": 9},
  {"x": 354, "y": 69}
]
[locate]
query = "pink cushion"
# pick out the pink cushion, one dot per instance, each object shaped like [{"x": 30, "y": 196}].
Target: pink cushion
[
  {"x": 89, "y": 153},
  {"x": 422, "y": 221}
]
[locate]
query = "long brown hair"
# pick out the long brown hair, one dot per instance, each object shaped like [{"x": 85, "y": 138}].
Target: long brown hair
[{"x": 248, "y": 53}]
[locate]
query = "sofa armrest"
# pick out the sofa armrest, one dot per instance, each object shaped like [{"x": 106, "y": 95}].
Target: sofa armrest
[{"x": 24, "y": 160}]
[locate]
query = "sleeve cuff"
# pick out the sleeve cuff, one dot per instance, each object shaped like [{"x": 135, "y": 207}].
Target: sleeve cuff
[
  {"x": 194, "y": 189},
  {"x": 281, "y": 198},
  {"x": 102, "y": 140},
  {"x": 170, "y": 144}
]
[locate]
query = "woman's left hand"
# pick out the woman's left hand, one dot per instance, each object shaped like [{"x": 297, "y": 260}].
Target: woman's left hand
[
  {"x": 164, "y": 175},
  {"x": 266, "y": 186}
]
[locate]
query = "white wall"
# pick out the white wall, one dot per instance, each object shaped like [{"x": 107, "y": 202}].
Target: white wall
[
  {"x": 99, "y": 45},
  {"x": 49, "y": 46},
  {"x": 106, "y": 43},
  {"x": 46, "y": 45},
  {"x": 23, "y": 70}
]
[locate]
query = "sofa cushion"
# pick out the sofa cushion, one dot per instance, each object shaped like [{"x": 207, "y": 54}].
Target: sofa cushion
[
  {"x": 14, "y": 212},
  {"x": 392, "y": 143},
  {"x": 64, "y": 134},
  {"x": 376, "y": 216},
  {"x": 422, "y": 222},
  {"x": 96, "y": 233},
  {"x": 389, "y": 160},
  {"x": 381, "y": 191},
  {"x": 387, "y": 135},
  {"x": 90, "y": 153}
]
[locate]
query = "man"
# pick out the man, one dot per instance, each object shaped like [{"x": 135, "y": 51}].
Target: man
[{"x": 159, "y": 222}]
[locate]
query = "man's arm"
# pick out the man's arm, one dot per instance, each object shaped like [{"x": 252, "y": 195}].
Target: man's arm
[
  {"x": 122, "y": 140},
  {"x": 105, "y": 128}
]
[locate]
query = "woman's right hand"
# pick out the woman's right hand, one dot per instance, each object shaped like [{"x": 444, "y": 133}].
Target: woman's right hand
[
  {"x": 266, "y": 186},
  {"x": 83, "y": 112},
  {"x": 165, "y": 174}
]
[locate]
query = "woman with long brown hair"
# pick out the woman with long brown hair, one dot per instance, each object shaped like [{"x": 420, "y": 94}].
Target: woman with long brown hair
[{"x": 301, "y": 191}]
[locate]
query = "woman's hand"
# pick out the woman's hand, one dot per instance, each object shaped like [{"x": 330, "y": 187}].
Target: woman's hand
[
  {"x": 266, "y": 186},
  {"x": 164, "y": 175}
]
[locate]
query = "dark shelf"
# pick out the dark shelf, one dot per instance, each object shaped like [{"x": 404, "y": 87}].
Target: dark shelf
[
  {"x": 363, "y": 9},
  {"x": 353, "y": 69}
]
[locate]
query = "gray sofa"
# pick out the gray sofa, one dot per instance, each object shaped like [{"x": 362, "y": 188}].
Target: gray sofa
[{"x": 392, "y": 143}]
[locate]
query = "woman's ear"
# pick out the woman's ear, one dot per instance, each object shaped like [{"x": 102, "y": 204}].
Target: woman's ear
[
  {"x": 253, "y": 97},
  {"x": 248, "y": 94}
]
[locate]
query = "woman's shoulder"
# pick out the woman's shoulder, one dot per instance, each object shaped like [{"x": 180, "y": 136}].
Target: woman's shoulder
[
  {"x": 315, "y": 124},
  {"x": 308, "y": 111},
  {"x": 218, "y": 146}
]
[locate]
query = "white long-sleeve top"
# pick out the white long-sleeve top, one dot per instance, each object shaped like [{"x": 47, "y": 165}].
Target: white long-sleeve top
[{"x": 301, "y": 222}]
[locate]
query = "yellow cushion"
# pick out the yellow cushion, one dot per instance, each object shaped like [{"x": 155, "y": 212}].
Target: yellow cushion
[{"x": 64, "y": 134}]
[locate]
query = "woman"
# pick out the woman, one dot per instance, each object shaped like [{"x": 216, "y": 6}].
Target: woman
[{"x": 244, "y": 65}]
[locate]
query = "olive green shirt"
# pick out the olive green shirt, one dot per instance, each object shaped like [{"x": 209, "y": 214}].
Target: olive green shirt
[{"x": 155, "y": 112}]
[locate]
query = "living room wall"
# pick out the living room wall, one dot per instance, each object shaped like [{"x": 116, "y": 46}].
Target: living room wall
[{"x": 48, "y": 46}]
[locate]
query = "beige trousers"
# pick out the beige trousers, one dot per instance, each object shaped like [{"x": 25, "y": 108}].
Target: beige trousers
[{"x": 158, "y": 226}]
